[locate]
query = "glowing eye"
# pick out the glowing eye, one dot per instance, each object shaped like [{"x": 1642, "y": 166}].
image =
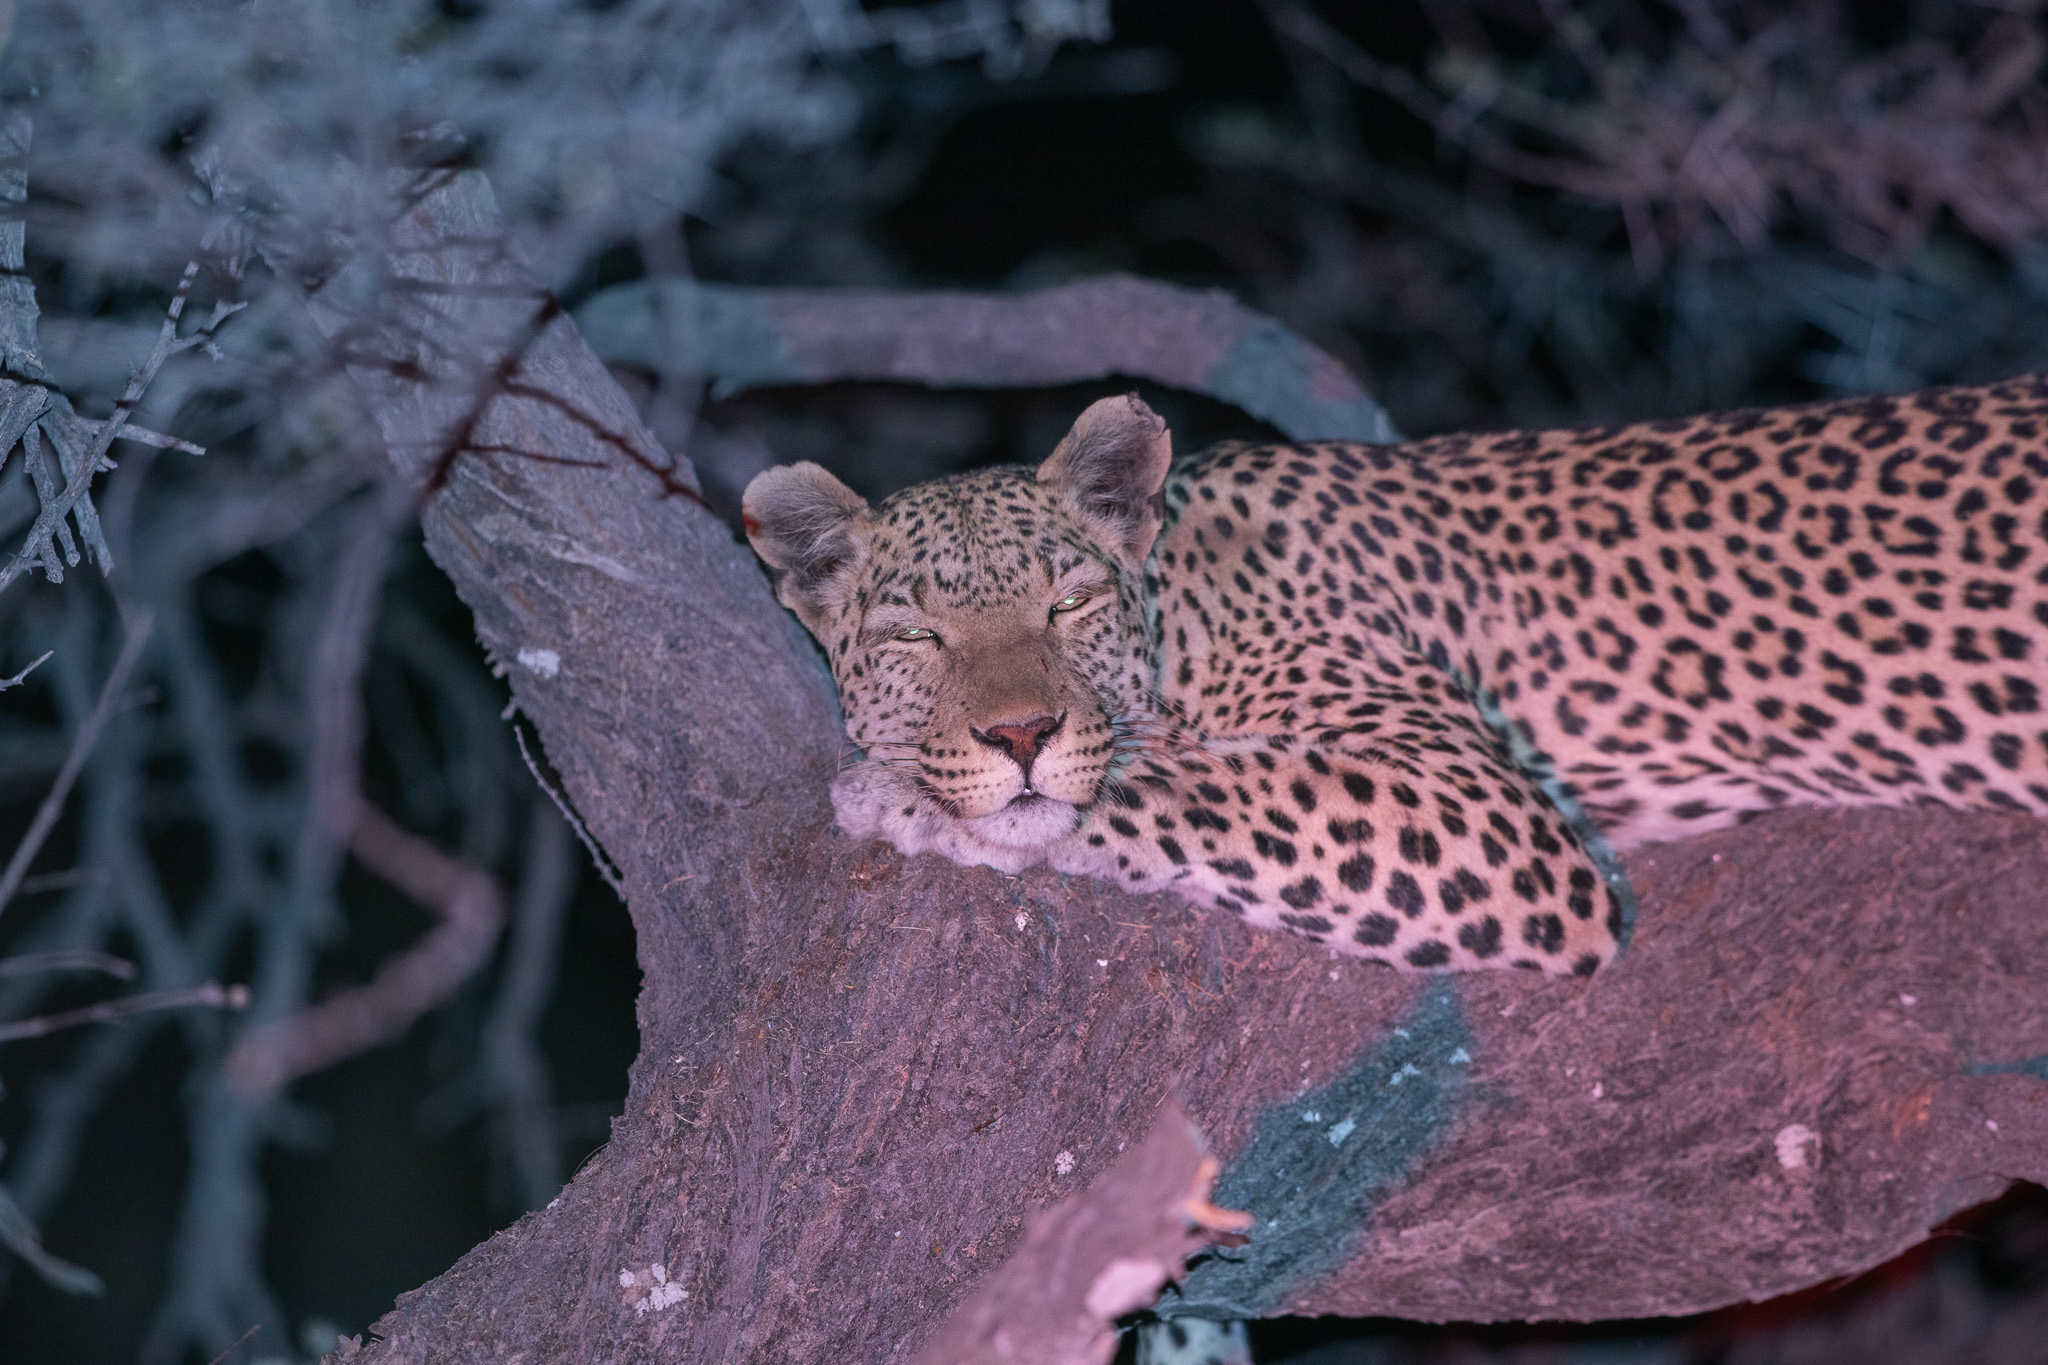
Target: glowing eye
[
  {"x": 915, "y": 633},
  {"x": 1070, "y": 601}
]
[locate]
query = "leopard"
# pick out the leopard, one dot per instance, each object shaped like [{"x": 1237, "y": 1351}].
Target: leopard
[{"x": 1413, "y": 701}]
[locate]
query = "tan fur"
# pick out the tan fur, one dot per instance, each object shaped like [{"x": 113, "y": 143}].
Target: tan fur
[{"x": 1257, "y": 694}]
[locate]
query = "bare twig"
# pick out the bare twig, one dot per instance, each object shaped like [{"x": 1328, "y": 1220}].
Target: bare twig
[
  {"x": 73, "y": 960},
  {"x": 235, "y": 1345},
  {"x": 81, "y": 747},
  {"x": 19, "y": 1235},
  {"x": 86, "y": 459},
  {"x": 471, "y": 913},
  {"x": 212, "y": 994},
  {"x": 22, "y": 676}
]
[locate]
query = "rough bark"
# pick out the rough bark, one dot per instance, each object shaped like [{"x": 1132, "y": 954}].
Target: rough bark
[{"x": 859, "y": 1074}]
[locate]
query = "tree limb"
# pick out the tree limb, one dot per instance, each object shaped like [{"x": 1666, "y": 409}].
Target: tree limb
[
  {"x": 859, "y": 1073},
  {"x": 471, "y": 913},
  {"x": 1201, "y": 340}
]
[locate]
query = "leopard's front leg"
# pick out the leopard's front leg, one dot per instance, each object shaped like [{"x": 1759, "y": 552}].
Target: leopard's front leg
[{"x": 1454, "y": 864}]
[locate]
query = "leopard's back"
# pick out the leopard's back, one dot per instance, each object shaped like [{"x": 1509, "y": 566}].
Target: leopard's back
[{"x": 1693, "y": 619}]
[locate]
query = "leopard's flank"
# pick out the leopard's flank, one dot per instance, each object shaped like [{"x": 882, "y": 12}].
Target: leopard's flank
[{"x": 1261, "y": 677}]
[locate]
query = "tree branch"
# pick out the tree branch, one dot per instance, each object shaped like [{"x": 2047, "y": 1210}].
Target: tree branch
[
  {"x": 212, "y": 995},
  {"x": 135, "y": 637},
  {"x": 858, "y": 1072},
  {"x": 1202, "y": 341},
  {"x": 471, "y": 912}
]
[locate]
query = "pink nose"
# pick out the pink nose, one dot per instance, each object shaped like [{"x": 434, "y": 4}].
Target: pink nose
[{"x": 1021, "y": 739}]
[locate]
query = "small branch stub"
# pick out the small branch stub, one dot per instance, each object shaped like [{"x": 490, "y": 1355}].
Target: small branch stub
[{"x": 1095, "y": 1257}]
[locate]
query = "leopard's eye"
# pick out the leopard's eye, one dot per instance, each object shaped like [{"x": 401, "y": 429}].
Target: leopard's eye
[
  {"x": 915, "y": 633},
  {"x": 1070, "y": 602}
]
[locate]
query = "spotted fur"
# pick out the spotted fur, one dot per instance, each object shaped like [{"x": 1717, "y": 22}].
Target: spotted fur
[{"x": 1260, "y": 680}]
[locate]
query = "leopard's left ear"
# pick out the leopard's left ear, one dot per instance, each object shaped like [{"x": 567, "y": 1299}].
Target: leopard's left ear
[{"x": 1111, "y": 468}]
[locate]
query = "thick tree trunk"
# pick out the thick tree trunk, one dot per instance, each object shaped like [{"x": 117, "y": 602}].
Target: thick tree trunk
[{"x": 859, "y": 1074}]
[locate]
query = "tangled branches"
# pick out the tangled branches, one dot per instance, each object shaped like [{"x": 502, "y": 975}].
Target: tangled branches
[
  {"x": 1752, "y": 121},
  {"x": 256, "y": 694},
  {"x": 1678, "y": 207}
]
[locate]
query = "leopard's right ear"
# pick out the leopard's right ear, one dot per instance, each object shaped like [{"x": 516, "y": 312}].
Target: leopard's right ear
[
  {"x": 799, "y": 519},
  {"x": 1111, "y": 467}
]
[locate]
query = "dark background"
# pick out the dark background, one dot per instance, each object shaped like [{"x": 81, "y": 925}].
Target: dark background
[{"x": 1194, "y": 147}]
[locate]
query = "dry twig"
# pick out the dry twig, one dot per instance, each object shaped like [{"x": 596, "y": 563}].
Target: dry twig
[
  {"x": 471, "y": 913},
  {"x": 136, "y": 637},
  {"x": 27, "y": 964},
  {"x": 82, "y": 447},
  {"x": 211, "y": 994},
  {"x": 1751, "y": 129},
  {"x": 22, "y": 676}
]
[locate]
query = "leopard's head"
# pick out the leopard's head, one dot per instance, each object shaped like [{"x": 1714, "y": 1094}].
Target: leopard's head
[{"x": 987, "y": 632}]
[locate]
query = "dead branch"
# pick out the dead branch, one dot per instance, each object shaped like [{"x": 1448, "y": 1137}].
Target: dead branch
[
  {"x": 132, "y": 641},
  {"x": 471, "y": 912},
  {"x": 1747, "y": 130},
  {"x": 211, "y": 995},
  {"x": 1093, "y": 1258},
  {"x": 1202, "y": 341},
  {"x": 26, "y": 964}
]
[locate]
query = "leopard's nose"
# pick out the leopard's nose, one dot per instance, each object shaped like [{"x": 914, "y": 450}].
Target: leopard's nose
[{"x": 1020, "y": 739}]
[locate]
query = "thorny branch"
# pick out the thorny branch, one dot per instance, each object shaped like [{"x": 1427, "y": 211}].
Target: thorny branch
[
  {"x": 489, "y": 388},
  {"x": 498, "y": 376}
]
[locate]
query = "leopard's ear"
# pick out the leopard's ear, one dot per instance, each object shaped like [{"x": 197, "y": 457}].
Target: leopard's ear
[
  {"x": 1111, "y": 468},
  {"x": 800, "y": 520}
]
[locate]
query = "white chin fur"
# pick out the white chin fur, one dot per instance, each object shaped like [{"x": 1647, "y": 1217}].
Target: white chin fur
[
  {"x": 874, "y": 801},
  {"x": 1028, "y": 822}
]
